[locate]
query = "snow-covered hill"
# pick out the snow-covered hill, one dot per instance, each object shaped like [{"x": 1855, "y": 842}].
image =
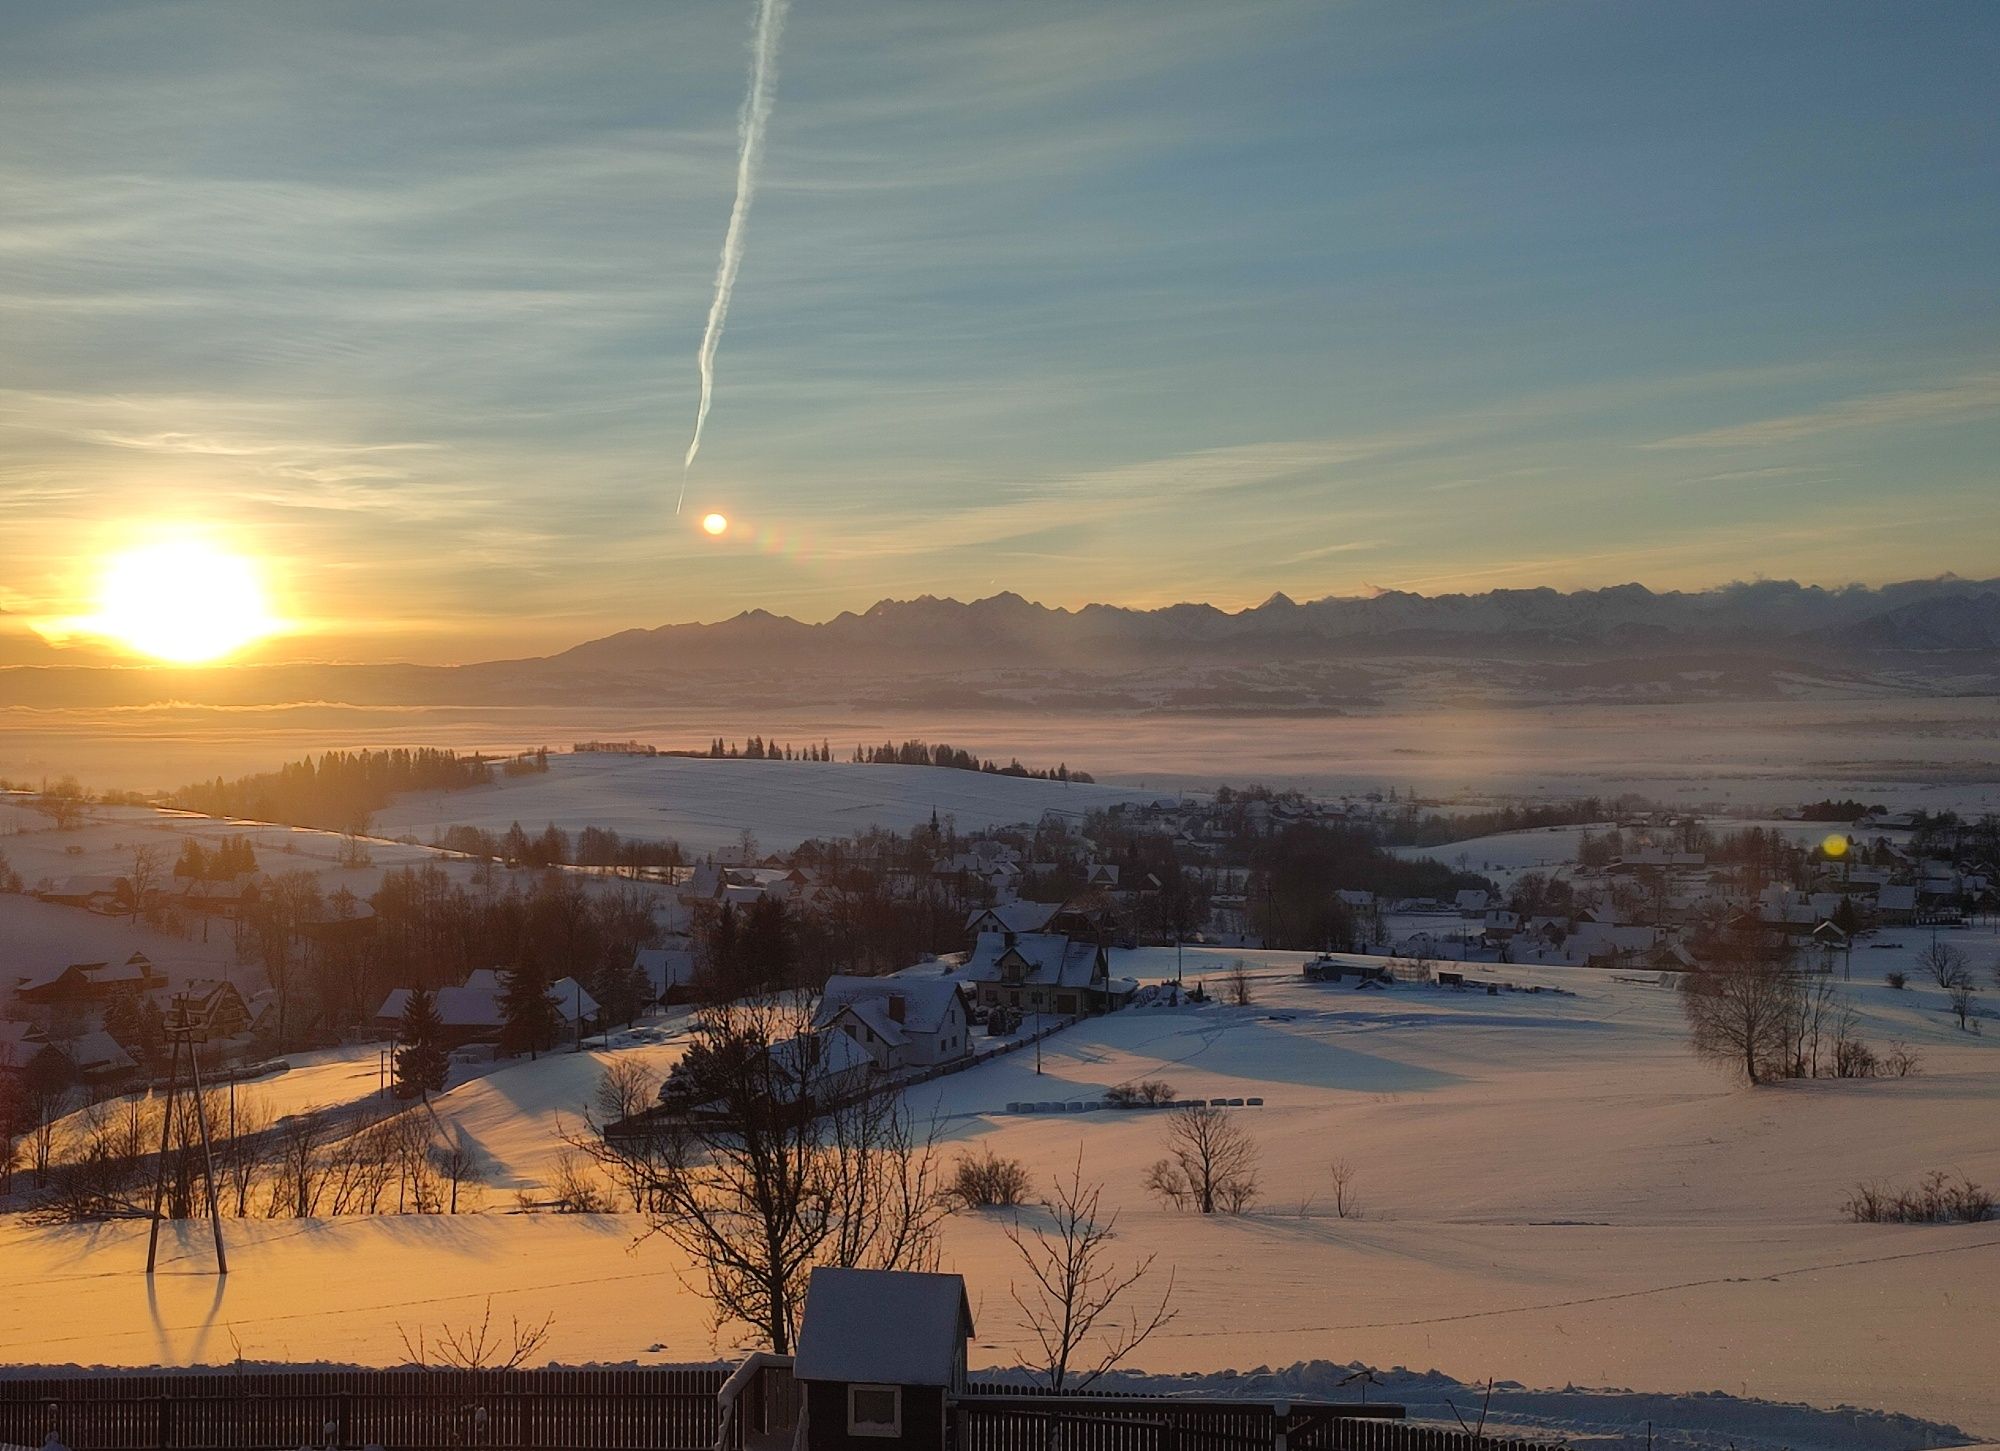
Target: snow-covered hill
[{"x": 707, "y": 805}]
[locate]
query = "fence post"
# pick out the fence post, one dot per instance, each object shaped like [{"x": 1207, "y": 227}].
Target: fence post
[
  {"x": 1281, "y": 1413},
  {"x": 166, "y": 1435}
]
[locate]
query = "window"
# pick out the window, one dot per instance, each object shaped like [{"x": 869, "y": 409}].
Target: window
[{"x": 874, "y": 1410}]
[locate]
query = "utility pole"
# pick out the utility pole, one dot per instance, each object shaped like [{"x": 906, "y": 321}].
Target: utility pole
[{"x": 181, "y": 1033}]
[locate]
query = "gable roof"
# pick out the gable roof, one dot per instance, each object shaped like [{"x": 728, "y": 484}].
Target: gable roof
[
  {"x": 1016, "y": 916},
  {"x": 665, "y": 967},
  {"x": 886, "y": 1327},
  {"x": 926, "y": 1003},
  {"x": 1051, "y": 959}
]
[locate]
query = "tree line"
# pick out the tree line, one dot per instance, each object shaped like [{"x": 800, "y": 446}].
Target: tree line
[{"x": 339, "y": 791}]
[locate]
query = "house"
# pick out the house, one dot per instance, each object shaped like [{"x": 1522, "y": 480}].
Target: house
[
  {"x": 228, "y": 898},
  {"x": 1471, "y": 902},
  {"x": 669, "y": 972},
  {"x": 1043, "y": 972},
  {"x": 79, "y": 983},
  {"x": 881, "y": 1355},
  {"x": 96, "y": 892},
  {"x": 901, "y": 1022},
  {"x": 470, "y": 1012},
  {"x": 1021, "y": 916},
  {"x": 94, "y": 1057},
  {"x": 18, "y": 1045},
  {"x": 213, "y": 1009},
  {"x": 821, "y": 1066}
]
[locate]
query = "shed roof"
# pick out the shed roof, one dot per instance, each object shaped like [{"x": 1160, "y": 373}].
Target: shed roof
[{"x": 887, "y": 1327}]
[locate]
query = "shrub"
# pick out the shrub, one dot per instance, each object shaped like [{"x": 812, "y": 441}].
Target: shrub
[
  {"x": 1896, "y": 980},
  {"x": 1936, "y": 1200},
  {"x": 574, "y": 1189},
  {"x": 1900, "y": 1061},
  {"x": 990, "y": 1182},
  {"x": 1149, "y": 1093}
]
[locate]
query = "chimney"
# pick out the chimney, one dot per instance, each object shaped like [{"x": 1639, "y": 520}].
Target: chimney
[
  {"x": 1007, "y": 938},
  {"x": 895, "y": 1007}
]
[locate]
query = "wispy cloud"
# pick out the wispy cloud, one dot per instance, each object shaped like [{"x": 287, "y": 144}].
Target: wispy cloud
[{"x": 1969, "y": 397}]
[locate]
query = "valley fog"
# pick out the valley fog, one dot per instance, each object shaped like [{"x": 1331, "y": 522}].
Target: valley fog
[{"x": 1935, "y": 753}]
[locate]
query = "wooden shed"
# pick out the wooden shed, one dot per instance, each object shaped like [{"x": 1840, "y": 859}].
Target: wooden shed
[{"x": 881, "y": 1352}]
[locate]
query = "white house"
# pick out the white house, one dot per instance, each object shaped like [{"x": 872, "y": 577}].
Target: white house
[{"x": 901, "y": 1022}]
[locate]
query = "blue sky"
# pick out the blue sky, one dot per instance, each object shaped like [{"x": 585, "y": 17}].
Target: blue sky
[{"x": 1114, "y": 302}]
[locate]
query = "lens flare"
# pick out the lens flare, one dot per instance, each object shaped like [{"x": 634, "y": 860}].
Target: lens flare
[{"x": 1835, "y": 845}]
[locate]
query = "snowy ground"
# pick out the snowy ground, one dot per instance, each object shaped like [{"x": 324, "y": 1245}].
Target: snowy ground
[
  {"x": 35, "y": 935},
  {"x": 706, "y": 805},
  {"x": 1555, "y": 1194}
]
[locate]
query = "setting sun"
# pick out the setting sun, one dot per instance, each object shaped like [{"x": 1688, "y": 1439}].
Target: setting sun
[
  {"x": 184, "y": 600},
  {"x": 715, "y": 523}
]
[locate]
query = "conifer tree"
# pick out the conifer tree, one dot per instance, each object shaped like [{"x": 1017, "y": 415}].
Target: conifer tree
[
  {"x": 529, "y": 1015},
  {"x": 421, "y": 1061}
]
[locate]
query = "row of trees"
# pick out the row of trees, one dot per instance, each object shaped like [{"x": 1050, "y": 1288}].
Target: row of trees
[
  {"x": 338, "y": 791},
  {"x": 101, "y": 1161},
  {"x": 593, "y": 846},
  {"x": 920, "y": 753}
]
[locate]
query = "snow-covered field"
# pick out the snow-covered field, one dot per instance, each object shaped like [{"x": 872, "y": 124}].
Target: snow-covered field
[
  {"x": 707, "y": 805},
  {"x": 36, "y": 935},
  {"x": 1555, "y": 1193}
]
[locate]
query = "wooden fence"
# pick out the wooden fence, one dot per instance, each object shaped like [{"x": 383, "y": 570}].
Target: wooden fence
[
  {"x": 409, "y": 1410},
  {"x": 635, "y": 1410}
]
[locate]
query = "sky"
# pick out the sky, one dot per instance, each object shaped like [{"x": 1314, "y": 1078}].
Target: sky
[{"x": 1122, "y": 302}]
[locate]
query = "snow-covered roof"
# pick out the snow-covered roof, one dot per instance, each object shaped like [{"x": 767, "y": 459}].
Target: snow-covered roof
[
  {"x": 926, "y": 1003},
  {"x": 1016, "y": 916},
  {"x": 665, "y": 967},
  {"x": 885, "y": 1327},
  {"x": 475, "y": 1003},
  {"x": 1048, "y": 959},
  {"x": 1900, "y": 897},
  {"x": 823, "y": 1055}
]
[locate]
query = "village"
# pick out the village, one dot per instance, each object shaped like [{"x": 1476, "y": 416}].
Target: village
[{"x": 529, "y": 1029}]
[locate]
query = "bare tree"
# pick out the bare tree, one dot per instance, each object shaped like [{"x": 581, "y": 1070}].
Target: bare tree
[
  {"x": 1944, "y": 962},
  {"x": 1236, "y": 985},
  {"x": 1345, "y": 1205},
  {"x": 457, "y": 1161},
  {"x": 1070, "y": 1300},
  {"x": 626, "y": 1089},
  {"x": 1211, "y": 1164},
  {"x": 780, "y": 1162},
  {"x": 476, "y": 1347},
  {"x": 1742, "y": 1003},
  {"x": 143, "y": 875},
  {"x": 300, "y": 1175},
  {"x": 1959, "y": 992}
]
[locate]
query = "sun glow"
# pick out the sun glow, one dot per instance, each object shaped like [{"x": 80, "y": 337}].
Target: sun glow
[
  {"x": 185, "y": 600},
  {"x": 715, "y": 523}
]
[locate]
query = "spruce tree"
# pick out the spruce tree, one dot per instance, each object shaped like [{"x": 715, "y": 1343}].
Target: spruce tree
[
  {"x": 421, "y": 1061},
  {"x": 529, "y": 1015}
]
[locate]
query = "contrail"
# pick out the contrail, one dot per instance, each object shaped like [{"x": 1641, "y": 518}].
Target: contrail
[{"x": 750, "y": 126}]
